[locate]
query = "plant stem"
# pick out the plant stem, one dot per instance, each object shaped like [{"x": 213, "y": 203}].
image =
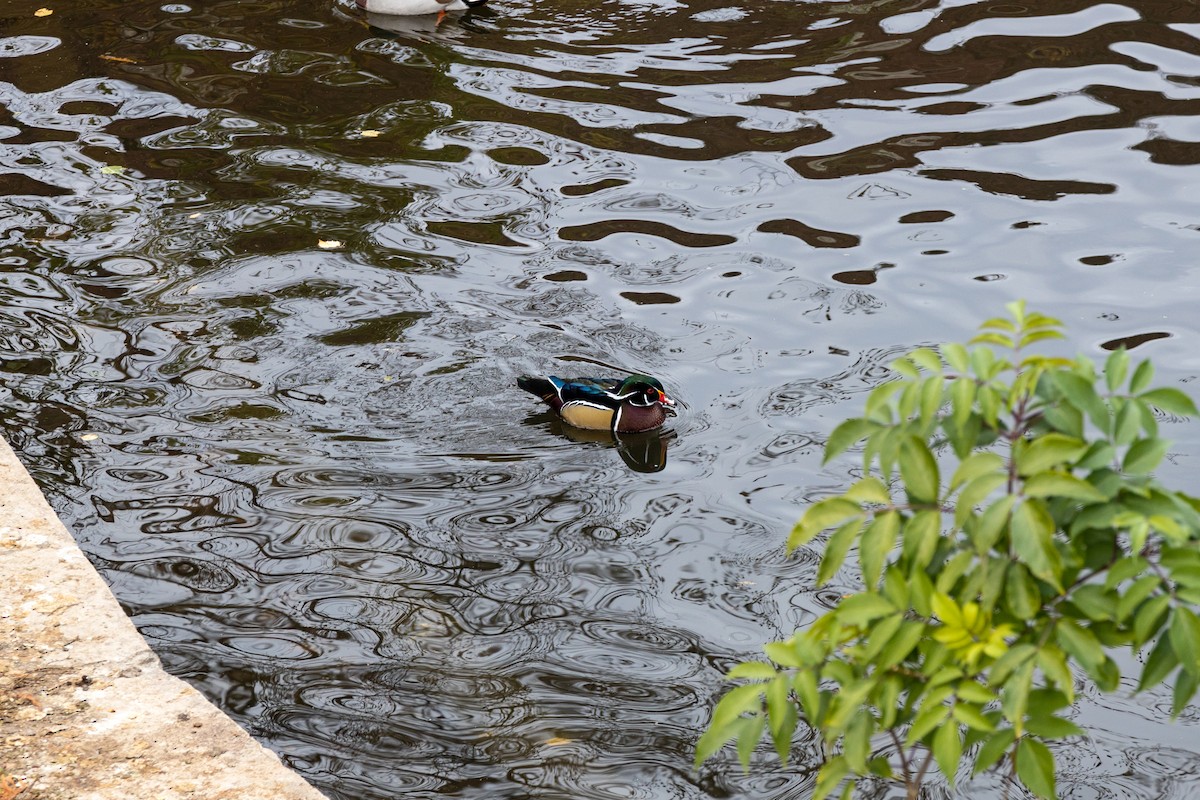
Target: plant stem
[{"x": 905, "y": 764}]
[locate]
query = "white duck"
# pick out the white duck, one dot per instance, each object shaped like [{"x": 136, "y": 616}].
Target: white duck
[{"x": 407, "y": 8}]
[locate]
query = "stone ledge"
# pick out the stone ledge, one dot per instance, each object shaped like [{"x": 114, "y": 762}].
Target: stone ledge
[{"x": 86, "y": 710}]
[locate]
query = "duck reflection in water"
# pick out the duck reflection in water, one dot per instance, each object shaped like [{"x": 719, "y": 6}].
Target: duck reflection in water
[{"x": 641, "y": 452}]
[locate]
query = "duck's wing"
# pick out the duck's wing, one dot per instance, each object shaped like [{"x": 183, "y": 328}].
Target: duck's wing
[{"x": 598, "y": 391}]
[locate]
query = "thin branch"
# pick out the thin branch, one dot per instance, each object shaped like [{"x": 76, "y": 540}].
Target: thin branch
[{"x": 905, "y": 764}]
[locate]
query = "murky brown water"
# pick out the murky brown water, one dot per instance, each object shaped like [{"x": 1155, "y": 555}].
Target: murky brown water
[{"x": 307, "y": 473}]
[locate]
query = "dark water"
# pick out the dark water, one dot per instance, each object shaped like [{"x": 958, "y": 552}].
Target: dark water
[{"x": 306, "y": 471}]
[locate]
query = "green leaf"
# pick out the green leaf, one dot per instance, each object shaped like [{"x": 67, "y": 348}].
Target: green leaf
[
  {"x": 921, "y": 536},
  {"x": 900, "y": 645},
  {"x": 780, "y": 710},
  {"x": 713, "y": 739},
  {"x": 845, "y": 436},
  {"x": 751, "y": 670},
  {"x": 1185, "y": 638},
  {"x": 953, "y": 569},
  {"x": 859, "y": 609},
  {"x": 784, "y": 654},
  {"x": 973, "y": 692},
  {"x": 749, "y": 732},
  {"x": 991, "y": 751},
  {"x": 832, "y": 773},
  {"x": 1141, "y": 378},
  {"x": 1035, "y": 767},
  {"x": 976, "y": 491},
  {"x": 1128, "y": 423},
  {"x": 1116, "y": 368},
  {"x": 1017, "y": 657},
  {"x": 1099, "y": 454},
  {"x": 1049, "y": 451},
  {"x": 926, "y": 359},
  {"x": 1186, "y": 684},
  {"x": 1037, "y": 336},
  {"x": 989, "y": 527},
  {"x": 1016, "y": 308},
  {"x": 881, "y": 633},
  {"x": 1149, "y": 618},
  {"x": 974, "y": 465},
  {"x": 1159, "y": 664},
  {"x": 820, "y": 516},
  {"x": 931, "y": 401},
  {"x": 1052, "y": 727},
  {"x": 836, "y": 549},
  {"x": 931, "y": 715},
  {"x": 804, "y": 683},
  {"x": 947, "y": 750},
  {"x": 737, "y": 701},
  {"x": 956, "y": 356},
  {"x": 880, "y": 767},
  {"x": 877, "y": 543},
  {"x": 1014, "y": 700},
  {"x": 1022, "y": 597},
  {"x": 856, "y": 745},
  {"x": 1033, "y": 541},
  {"x": 920, "y": 592},
  {"x": 1062, "y": 484},
  {"x": 1095, "y": 603},
  {"x": 1065, "y": 419},
  {"x": 1146, "y": 416},
  {"x": 972, "y": 717},
  {"x": 962, "y": 400},
  {"x": 1124, "y": 569},
  {"x": 869, "y": 490},
  {"x": 919, "y": 470},
  {"x": 1143, "y": 456},
  {"x": 1052, "y": 661},
  {"x": 998, "y": 339},
  {"x": 1171, "y": 400},
  {"x": 1080, "y": 643},
  {"x": 1135, "y": 593},
  {"x": 1080, "y": 393}
]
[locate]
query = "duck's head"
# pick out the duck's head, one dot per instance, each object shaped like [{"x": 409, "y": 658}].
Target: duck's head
[{"x": 644, "y": 391}]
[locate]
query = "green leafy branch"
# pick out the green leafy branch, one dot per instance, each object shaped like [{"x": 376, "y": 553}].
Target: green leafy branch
[{"x": 1044, "y": 543}]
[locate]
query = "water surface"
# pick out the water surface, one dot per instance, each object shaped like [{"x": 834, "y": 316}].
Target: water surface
[{"x": 305, "y": 469}]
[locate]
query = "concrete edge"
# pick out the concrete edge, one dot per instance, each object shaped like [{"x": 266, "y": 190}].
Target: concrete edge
[{"x": 86, "y": 710}]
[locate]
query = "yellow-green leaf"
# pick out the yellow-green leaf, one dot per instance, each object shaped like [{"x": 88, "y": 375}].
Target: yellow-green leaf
[
  {"x": 947, "y": 750},
  {"x": 1048, "y": 451},
  {"x": 919, "y": 470},
  {"x": 1171, "y": 400},
  {"x": 1033, "y": 541},
  {"x": 877, "y": 543},
  {"x": 1062, "y": 484},
  {"x": 1035, "y": 767}
]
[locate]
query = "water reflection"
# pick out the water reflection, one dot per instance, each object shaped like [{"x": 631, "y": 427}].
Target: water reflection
[
  {"x": 641, "y": 452},
  {"x": 306, "y": 473}
]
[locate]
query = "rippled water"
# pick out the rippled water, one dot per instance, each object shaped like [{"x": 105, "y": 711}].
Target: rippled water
[{"x": 307, "y": 473}]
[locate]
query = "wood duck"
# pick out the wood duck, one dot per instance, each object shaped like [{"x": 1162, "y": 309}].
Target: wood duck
[
  {"x": 407, "y": 8},
  {"x": 622, "y": 405}
]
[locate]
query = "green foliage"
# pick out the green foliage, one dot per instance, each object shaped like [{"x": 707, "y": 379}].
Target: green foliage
[{"x": 1009, "y": 535}]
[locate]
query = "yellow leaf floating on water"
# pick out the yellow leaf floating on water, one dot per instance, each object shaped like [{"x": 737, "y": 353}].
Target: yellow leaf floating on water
[
  {"x": 118, "y": 59},
  {"x": 112, "y": 169},
  {"x": 89, "y": 437},
  {"x": 329, "y": 244},
  {"x": 556, "y": 741},
  {"x": 43, "y": 12},
  {"x": 368, "y": 134}
]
